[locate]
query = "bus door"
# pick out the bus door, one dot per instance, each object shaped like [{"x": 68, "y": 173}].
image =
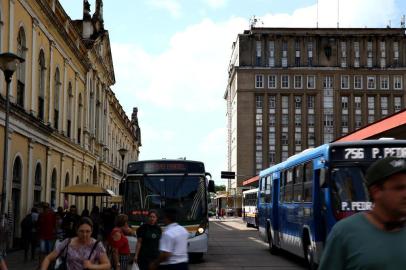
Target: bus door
[
  {"x": 291, "y": 212},
  {"x": 262, "y": 209},
  {"x": 274, "y": 207}
]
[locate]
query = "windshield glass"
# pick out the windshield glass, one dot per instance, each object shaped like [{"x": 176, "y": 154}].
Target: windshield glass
[
  {"x": 349, "y": 193},
  {"x": 185, "y": 193}
]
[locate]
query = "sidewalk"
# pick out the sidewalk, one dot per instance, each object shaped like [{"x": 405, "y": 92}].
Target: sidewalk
[{"x": 15, "y": 260}]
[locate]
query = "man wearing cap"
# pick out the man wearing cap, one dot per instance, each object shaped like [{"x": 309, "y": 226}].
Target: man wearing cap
[{"x": 374, "y": 239}]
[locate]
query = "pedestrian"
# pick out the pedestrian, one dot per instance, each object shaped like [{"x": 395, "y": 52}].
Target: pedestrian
[
  {"x": 148, "y": 236},
  {"x": 29, "y": 233},
  {"x": 97, "y": 221},
  {"x": 70, "y": 221},
  {"x": 172, "y": 245},
  {"x": 4, "y": 236},
  {"x": 81, "y": 251},
  {"x": 375, "y": 239},
  {"x": 46, "y": 230},
  {"x": 119, "y": 243}
]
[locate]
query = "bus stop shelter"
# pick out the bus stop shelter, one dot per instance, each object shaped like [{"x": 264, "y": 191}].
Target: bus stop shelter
[{"x": 87, "y": 190}]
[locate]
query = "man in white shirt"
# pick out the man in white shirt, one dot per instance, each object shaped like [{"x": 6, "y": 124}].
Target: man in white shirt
[{"x": 173, "y": 244}]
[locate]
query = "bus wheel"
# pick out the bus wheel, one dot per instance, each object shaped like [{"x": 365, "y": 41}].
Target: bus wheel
[
  {"x": 309, "y": 256},
  {"x": 272, "y": 248}
]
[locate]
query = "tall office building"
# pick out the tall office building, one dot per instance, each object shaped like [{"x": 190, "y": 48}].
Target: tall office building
[{"x": 294, "y": 88}]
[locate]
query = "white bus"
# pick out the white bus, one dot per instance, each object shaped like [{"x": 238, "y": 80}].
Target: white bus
[{"x": 249, "y": 207}]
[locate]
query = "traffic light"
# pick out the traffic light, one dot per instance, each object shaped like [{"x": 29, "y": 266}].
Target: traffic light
[{"x": 227, "y": 175}]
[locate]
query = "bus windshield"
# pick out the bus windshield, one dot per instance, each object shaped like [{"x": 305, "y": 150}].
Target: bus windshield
[
  {"x": 349, "y": 193},
  {"x": 185, "y": 193}
]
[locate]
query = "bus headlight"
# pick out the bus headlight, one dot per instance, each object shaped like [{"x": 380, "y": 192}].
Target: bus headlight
[
  {"x": 202, "y": 228},
  {"x": 200, "y": 231}
]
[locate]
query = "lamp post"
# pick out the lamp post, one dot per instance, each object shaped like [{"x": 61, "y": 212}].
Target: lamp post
[
  {"x": 122, "y": 152},
  {"x": 8, "y": 63}
]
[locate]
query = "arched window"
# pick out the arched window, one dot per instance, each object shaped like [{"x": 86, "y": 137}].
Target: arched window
[
  {"x": 41, "y": 85},
  {"x": 79, "y": 121},
  {"x": 94, "y": 176},
  {"x": 53, "y": 188},
  {"x": 38, "y": 184},
  {"x": 17, "y": 171},
  {"x": 67, "y": 180},
  {"x": 57, "y": 88},
  {"x": 77, "y": 180},
  {"x": 69, "y": 109},
  {"x": 21, "y": 52}
]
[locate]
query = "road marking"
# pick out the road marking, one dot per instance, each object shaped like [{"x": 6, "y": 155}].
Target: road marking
[
  {"x": 258, "y": 241},
  {"x": 222, "y": 226}
]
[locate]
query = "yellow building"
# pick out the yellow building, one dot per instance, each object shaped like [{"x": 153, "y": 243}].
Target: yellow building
[{"x": 66, "y": 126}]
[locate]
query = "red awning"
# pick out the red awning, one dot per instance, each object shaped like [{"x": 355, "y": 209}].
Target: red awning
[
  {"x": 250, "y": 181},
  {"x": 377, "y": 127}
]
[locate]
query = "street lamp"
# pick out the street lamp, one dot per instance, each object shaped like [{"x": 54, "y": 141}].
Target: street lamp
[
  {"x": 8, "y": 63},
  {"x": 122, "y": 152}
]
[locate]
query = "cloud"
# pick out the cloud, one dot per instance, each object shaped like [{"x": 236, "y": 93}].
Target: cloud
[
  {"x": 172, "y": 6},
  {"x": 351, "y": 13},
  {"x": 191, "y": 75},
  {"x": 216, "y": 3},
  {"x": 214, "y": 141}
]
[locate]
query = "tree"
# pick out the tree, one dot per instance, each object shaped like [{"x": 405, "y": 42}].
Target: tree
[{"x": 220, "y": 188}]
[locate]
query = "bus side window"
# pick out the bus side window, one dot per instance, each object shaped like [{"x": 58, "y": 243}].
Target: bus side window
[
  {"x": 289, "y": 186},
  {"x": 268, "y": 196},
  {"x": 308, "y": 182},
  {"x": 262, "y": 190},
  {"x": 282, "y": 187},
  {"x": 298, "y": 184}
]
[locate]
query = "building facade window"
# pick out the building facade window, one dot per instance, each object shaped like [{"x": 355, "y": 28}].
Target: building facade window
[
  {"x": 397, "y": 102},
  {"x": 298, "y": 81},
  {"x": 384, "y": 82},
  {"x": 371, "y": 82},
  {"x": 258, "y": 53},
  {"x": 258, "y": 137},
  {"x": 357, "y": 82},
  {"x": 41, "y": 85},
  {"x": 396, "y": 53},
  {"x": 57, "y": 89},
  {"x": 284, "y": 54},
  {"x": 384, "y": 106},
  {"x": 37, "y": 184},
  {"x": 382, "y": 53},
  {"x": 343, "y": 46},
  {"x": 272, "y": 81},
  {"x": 259, "y": 81},
  {"x": 21, "y": 52},
  {"x": 328, "y": 82},
  {"x": 371, "y": 109},
  {"x": 345, "y": 82},
  {"x": 310, "y": 53},
  {"x": 297, "y": 53},
  {"x": 285, "y": 81},
  {"x": 271, "y": 47},
  {"x": 369, "y": 54},
  {"x": 311, "y": 82},
  {"x": 397, "y": 82},
  {"x": 356, "y": 54}
]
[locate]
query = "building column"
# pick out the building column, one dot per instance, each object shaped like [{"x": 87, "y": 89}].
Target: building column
[
  {"x": 63, "y": 115},
  {"x": 62, "y": 180},
  {"x": 75, "y": 109},
  {"x": 48, "y": 175},
  {"x": 30, "y": 185},
  {"x": 51, "y": 85},
  {"x": 34, "y": 65},
  {"x": 9, "y": 173}
]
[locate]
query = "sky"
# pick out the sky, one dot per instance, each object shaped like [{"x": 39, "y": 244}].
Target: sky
[{"x": 171, "y": 58}]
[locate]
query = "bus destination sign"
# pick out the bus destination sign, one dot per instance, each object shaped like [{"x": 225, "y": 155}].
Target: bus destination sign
[
  {"x": 367, "y": 152},
  {"x": 151, "y": 167}
]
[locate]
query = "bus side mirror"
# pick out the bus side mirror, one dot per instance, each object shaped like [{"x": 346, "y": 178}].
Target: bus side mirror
[{"x": 211, "y": 186}]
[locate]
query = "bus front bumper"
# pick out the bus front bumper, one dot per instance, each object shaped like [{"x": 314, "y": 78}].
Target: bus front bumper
[{"x": 198, "y": 244}]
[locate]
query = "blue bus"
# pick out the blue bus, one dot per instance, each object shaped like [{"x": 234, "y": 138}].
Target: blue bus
[{"x": 300, "y": 199}]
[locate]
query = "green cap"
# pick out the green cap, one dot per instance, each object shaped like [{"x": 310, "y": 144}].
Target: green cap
[{"x": 382, "y": 169}]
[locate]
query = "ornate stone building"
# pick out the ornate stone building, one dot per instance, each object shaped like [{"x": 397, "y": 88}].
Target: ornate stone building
[
  {"x": 294, "y": 88},
  {"x": 66, "y": 124}
]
